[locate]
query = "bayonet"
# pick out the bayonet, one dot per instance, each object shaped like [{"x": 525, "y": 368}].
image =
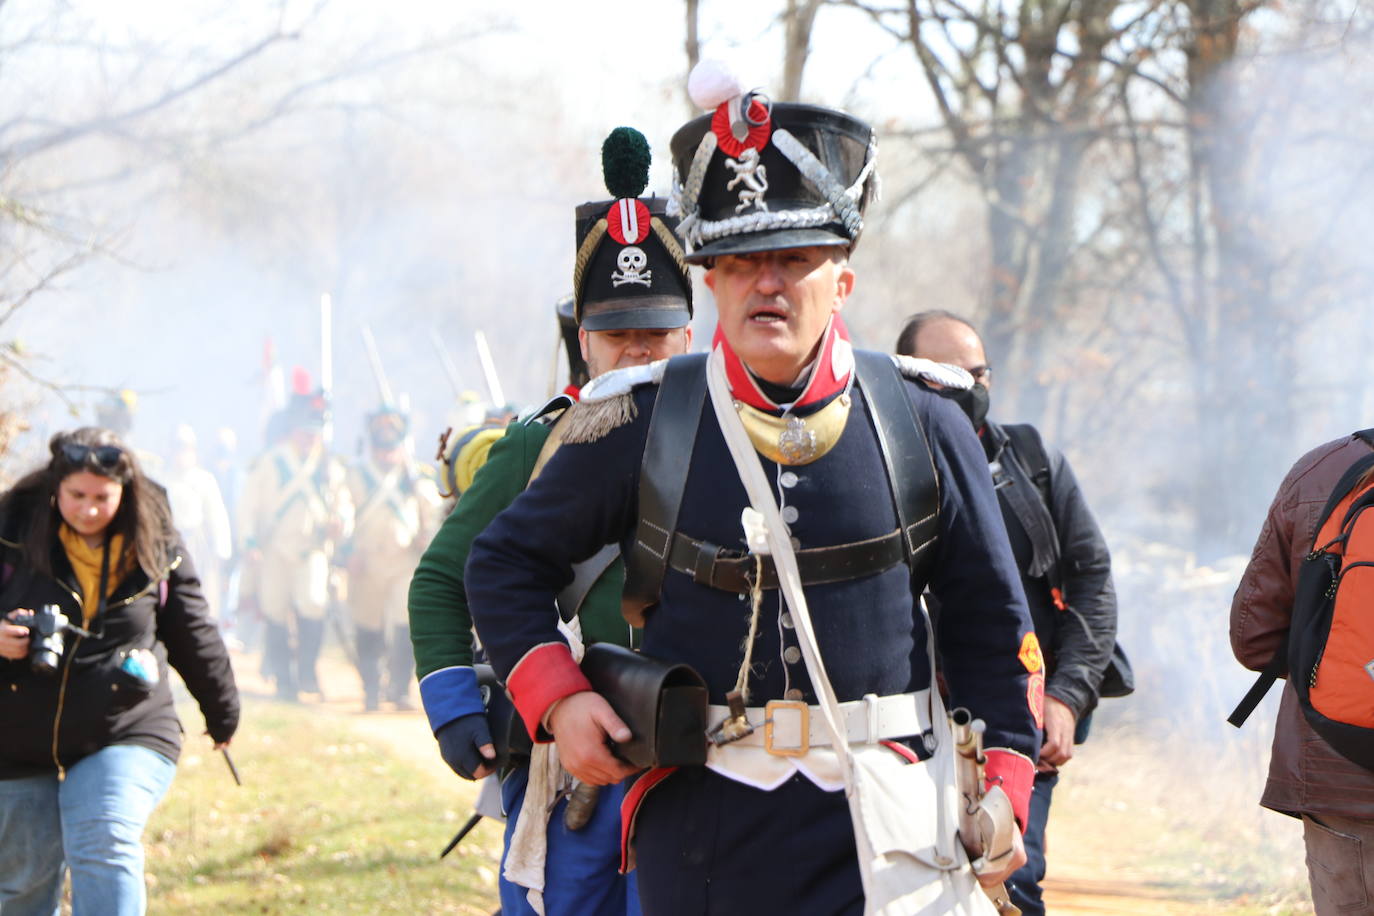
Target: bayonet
[
  {"x": 447, "y": 362},
  {"x": 498, "y": 397},
  {"x": 378, "y": 373}
]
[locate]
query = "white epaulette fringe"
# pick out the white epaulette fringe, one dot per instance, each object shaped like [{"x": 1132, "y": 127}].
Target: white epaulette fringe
[
  {"x": 607, "y": 401},
  {"x": 931, "y": 371}
]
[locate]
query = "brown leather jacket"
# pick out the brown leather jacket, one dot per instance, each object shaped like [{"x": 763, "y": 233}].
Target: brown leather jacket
[{"x": 1305, "y": 775}]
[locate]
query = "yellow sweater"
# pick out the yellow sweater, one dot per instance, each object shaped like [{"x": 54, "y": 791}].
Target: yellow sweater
[{"x": 85, "y": 561}]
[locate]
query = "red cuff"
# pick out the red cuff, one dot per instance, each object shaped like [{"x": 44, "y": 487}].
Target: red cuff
[
  {"x": 1015, "y": 773},
  {"x": 545, "y": 675}
]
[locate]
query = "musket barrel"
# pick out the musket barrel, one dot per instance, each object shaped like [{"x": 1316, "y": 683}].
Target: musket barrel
[
  {"x": 498, "y": 397},
  {"x": 375, "y": 361},
  {"x": 446, "y": 361}
]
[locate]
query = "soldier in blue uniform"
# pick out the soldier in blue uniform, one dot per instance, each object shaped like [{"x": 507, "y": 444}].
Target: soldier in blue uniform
[{"x": 883, "y": 487}]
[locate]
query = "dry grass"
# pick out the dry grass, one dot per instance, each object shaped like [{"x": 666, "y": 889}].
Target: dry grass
[{"x": 325, "y": 822}]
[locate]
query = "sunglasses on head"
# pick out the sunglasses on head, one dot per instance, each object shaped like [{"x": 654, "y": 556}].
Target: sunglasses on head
[{"x": 105, "y": 456}]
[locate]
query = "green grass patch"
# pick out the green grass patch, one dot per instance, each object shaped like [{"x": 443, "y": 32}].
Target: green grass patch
[{"x": 325, "y": 822}]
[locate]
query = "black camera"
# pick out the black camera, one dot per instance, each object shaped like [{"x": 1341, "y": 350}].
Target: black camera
[{"x": 48, "y": 627}]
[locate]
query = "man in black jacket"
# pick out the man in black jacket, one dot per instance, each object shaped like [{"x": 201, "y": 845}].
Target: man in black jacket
[{"x": 1065, "y": 569}]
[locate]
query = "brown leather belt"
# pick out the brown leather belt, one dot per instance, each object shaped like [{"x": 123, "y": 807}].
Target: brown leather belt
[{"x": 733, "y": 570}]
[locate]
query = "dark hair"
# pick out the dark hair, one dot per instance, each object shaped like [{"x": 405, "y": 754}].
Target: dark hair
[
  {"x": 143, "y": 516},
  {"x": 906, "y": 340}
]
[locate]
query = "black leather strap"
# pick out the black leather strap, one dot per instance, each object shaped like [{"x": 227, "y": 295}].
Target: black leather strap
[
  {"x": 733, "y": 571},
  {"x": 662, "y": 479},
  {"x": 1025, "y": 486},
  {"x": 585, "y": 575},
  {"x": 556, "y": 404},
  {"x": 906, "y": 457}
]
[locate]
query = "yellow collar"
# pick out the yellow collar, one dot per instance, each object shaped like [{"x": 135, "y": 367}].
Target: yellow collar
[
  {"x": 794, "y": 440},
  {"x": 85, "y": 561}
]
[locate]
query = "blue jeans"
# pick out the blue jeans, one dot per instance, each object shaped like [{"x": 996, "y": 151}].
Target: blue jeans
[
  {"x": 91, "y": 823},
  {"x": 1024, "y": 885},
  {"x": 581, "y": 871}
]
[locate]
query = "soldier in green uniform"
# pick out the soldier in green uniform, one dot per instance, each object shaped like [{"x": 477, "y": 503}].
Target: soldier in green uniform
[{"x": 632, "y": 303}]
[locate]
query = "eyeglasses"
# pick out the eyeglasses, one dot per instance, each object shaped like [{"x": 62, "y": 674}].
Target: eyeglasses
[{"x": 106, "y": 456}]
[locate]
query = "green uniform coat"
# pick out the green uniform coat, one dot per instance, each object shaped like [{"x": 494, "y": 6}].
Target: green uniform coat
[{"x": 441, "y": 626}]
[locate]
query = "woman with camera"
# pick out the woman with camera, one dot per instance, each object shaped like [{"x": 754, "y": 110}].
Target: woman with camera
[{"x": 98, "y": 598}]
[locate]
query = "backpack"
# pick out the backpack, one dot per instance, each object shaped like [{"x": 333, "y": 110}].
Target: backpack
[
  {"x": 1118, "y": 680},
  {"x": 1329, "y": 646}
]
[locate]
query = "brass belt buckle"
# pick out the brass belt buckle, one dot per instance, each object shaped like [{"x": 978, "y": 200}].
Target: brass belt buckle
[{"x": 770, "y": 712}]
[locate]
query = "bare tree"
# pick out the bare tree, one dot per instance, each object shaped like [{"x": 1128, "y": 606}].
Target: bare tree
[
  {"x": 156, "y": 115},
  {"x": 1024, "y": 94}
]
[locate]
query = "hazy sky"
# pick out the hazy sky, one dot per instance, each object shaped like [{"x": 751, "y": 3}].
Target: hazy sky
[{"x": 452, "y": 210}]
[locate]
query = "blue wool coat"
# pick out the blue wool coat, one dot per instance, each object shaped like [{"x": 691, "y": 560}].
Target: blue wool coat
[{"x": 870, "y": 630}]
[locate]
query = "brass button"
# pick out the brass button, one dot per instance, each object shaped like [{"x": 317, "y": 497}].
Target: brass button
[
  {"x": 793, "y": 694},
  {"x": 790, "y": 514},
  {"x": 791, "y": 655},
  {"x": 788, "y": 479},
  {"x": 786, "y": 619}
]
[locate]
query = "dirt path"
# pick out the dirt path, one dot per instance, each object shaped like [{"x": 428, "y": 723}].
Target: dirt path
[{"x": 1126, "y": 895}]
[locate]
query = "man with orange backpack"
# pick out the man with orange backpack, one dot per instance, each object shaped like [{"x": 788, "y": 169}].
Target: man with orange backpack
[{"x": 1281, "y": 614}]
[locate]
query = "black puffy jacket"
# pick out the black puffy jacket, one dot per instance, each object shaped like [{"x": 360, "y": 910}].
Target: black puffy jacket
[{"x": 49, "y": 721}]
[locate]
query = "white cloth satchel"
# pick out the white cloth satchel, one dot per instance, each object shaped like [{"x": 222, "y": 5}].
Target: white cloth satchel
[{"x": 905, "y": 814}]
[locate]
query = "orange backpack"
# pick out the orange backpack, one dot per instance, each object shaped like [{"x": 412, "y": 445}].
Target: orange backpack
[{"x": 1329, "y": 648}]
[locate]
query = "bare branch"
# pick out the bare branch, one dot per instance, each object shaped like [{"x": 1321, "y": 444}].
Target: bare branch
[{"x": 110, "y": 122}]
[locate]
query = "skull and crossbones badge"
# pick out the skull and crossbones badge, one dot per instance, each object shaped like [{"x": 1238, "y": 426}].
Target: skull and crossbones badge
[
  {"x": 632, "y": 261},
  {"x": 628, "y": 222}
]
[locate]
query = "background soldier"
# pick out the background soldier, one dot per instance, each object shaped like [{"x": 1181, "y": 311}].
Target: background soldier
[
  {"x": 1065, "y": 570},
  {"x": 200, "y": 515},
  {"x": 771, "y": 199},
  {"x": 397, "y": 508},
  {"x": 295, "y": 507},
  {"x": 625, "y": 325},
  {"x": 116, "y": 412}
]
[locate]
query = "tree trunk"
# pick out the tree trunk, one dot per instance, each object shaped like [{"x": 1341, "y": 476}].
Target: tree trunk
[
  {"x": 693, "y": 10},
  {"x": 1243, "y": 401},
  {"x": 798, "y": 20}
]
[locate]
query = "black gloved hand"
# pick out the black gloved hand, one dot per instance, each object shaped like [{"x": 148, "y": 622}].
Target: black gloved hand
[{"x": 459, "y": 743}]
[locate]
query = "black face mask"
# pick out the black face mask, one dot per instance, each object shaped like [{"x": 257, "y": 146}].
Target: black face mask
[{"x": 973, "y": 402}]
